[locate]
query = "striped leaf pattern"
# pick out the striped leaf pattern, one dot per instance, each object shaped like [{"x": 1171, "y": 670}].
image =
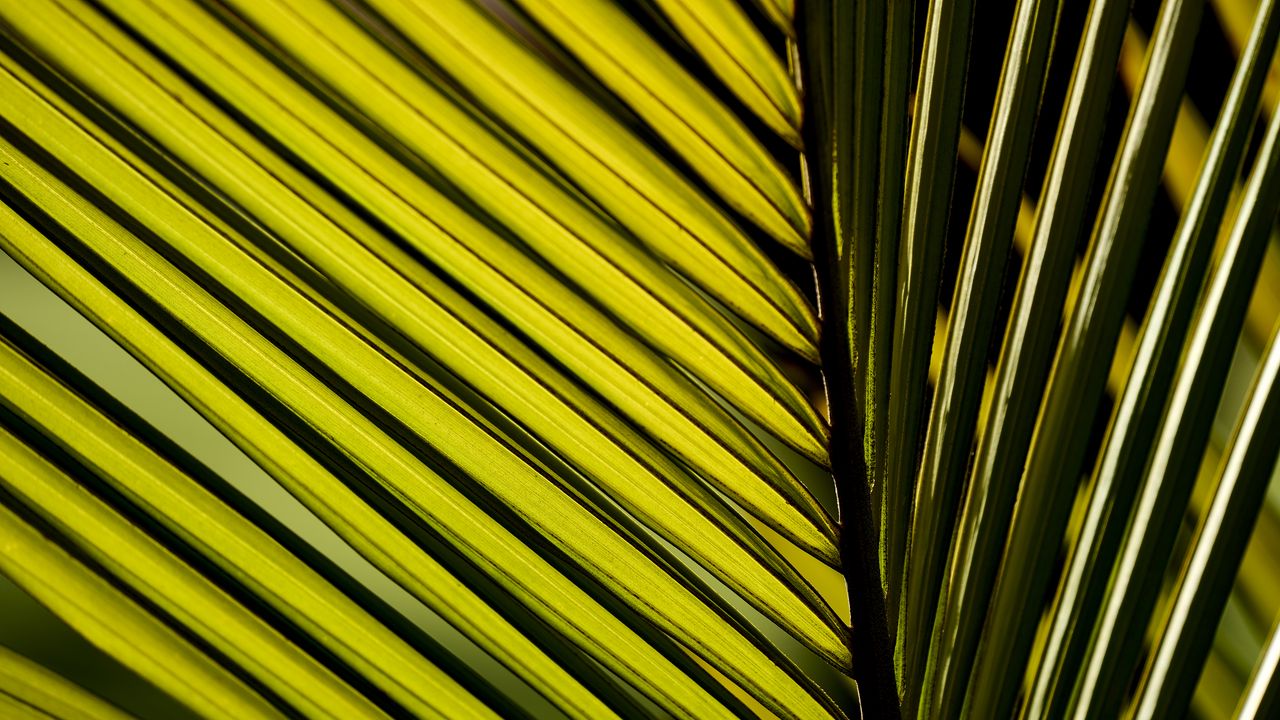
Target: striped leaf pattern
[{"x": 639, "y": 358}]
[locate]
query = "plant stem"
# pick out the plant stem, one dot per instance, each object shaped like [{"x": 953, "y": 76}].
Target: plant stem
[{"x": 870, "y": 641}]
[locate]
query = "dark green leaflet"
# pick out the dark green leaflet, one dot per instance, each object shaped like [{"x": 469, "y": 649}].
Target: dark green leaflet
[{"x": 1138, "y": 410}]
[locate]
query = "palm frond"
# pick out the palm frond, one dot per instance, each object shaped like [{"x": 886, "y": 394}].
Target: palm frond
[{"x": 609, "y": 349}]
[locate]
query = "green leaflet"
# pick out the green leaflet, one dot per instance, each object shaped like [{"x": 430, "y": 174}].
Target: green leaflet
[
  {"x": 369, "y": 532},
  {"x": 857, "y": 176},
  {"x": 227, "y": 541},
  {"x": 464, "y": 446},
  {"x": 941, "y": 547},
  {"x": 110, "y": 620},
  {"x": 1204, "y": 583},
  {"x": 607, "y": 449},
  {"x": 684, "y": 113},
  {"x": 1078, "y": 378},
  {"x": 780, "y": 12},
  {"x": 1166, "y": 483},
  {"x": 1025, "y": 357},
  {"x": 28, "y": 683},
  {"x": 858, "y": 28},
  {"x": 1134, "y": 422},
  {"x": 930, "y": 172},
  {"x": 843, "y": 172},
  {"x": 895, "y": 501},
  {"x": 680, "y": 415},
  {"x": 648, "y": 299},
  {"x": 606, "y": 160},
  {"x": 177, "y": 589},
  {"x": 12, "y": 707},
  {"x": 1261, "y": 698},
  {"x": 736, "y": 51}
]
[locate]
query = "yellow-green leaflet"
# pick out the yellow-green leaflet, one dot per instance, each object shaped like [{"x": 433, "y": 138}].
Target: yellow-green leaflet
[
  {"x": 781, "y": 13},
  {"x": 141, "y": 562},
  {"x": 736, "y": 51},
  {"x": 119, "y": 626},
  {"x": 684, "y": 112},
  {"x": 627, "y": 284},
  {"x": 681, "y": 417},
  {"x": 652, "y": 392},
  {"x": 609, "y": 162},
  {"x": 32, "y": 685},
  {"x": 647, "y": 298},
  {"x": 369, "y": 532},
  {"x": 743, "y": 468},
  {"x": 616, "y": 564},
  {"x": 12, "y": 707},
  {"x": 505, "y": 555},
  {"x": 228, "y": 540},
  {"x": 637, "y": 475}
]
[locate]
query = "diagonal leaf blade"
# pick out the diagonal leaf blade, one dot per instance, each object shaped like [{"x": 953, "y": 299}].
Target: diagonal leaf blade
[
  {"x": 710, "y": 137},
  {"x": 620, "y": 174},
  {"x": 1133, "y": 423},
  {"x": 37, "y": 687},
  {"x": 457, "y": 440},
  {"x": 133, "y": 635},
  {"x": 724, "y": 36},
  {"x": 1205, "y": 580}
]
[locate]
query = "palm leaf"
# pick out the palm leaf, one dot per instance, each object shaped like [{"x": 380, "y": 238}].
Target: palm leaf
[
  {"x": 608, "y": 349},
  {"x": 1259, "y": 699},
  {"x": 35, "y": 690},
  {"x": 1205, "y": 580}
]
